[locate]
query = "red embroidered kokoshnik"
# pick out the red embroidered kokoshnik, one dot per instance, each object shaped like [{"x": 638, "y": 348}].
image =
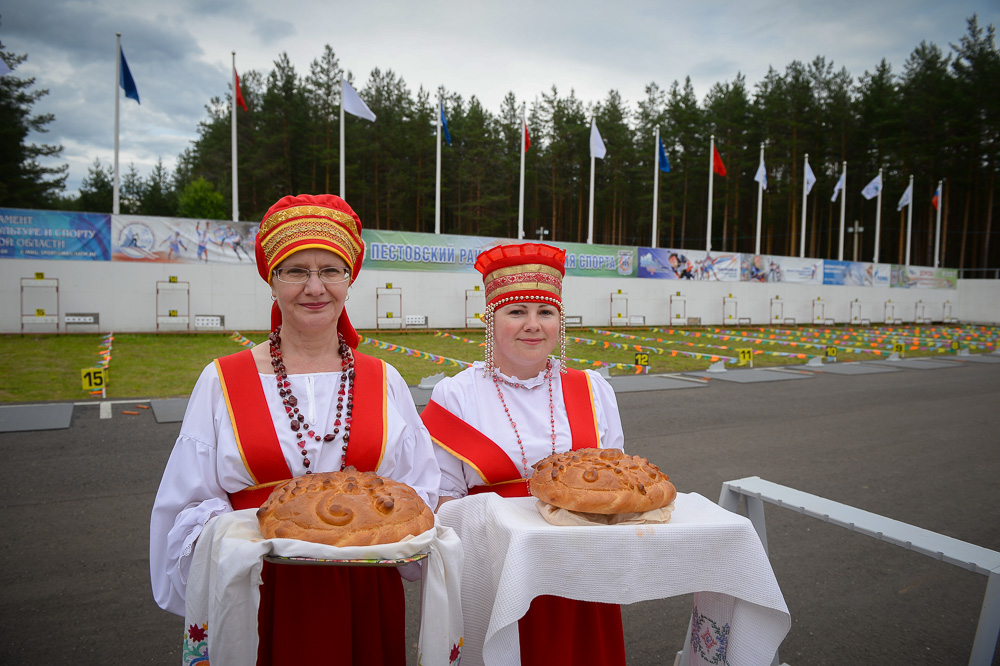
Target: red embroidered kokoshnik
[
  {"x": 353, "y": 615},
  {"x": 555, "y": 631}
]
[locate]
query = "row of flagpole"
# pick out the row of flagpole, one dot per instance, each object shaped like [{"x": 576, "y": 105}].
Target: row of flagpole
[{"x": 351, "y": 102}]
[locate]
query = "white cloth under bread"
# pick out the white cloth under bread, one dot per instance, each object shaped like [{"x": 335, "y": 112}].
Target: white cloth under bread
[
  {"x": 223, "y": 588},
  {"x": 513, "y": 555}
]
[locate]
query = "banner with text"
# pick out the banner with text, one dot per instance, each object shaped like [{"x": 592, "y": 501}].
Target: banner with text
[
  {"x": 414, "y": 251},
  {"x": 174, "y": 240},
  {"x": 856, "y": 273},
  {"x": 772, "y": 268},
  {"x": 51, "y": 234},
  {"x": 673, "y": 264},
  {"x": 924, "y": 277}
]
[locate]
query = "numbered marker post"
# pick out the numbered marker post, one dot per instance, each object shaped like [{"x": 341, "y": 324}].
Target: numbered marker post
[
  {"x": 955, "y": 345},
  {"x": 172, "y": 313},
  {"x": 746, "y": 356},
  {"x": 642, "y": 359},
  {"x": 94, "y": 379},
  {"x": 831, "y": 354},
  {"x": 897, "y": 347}
]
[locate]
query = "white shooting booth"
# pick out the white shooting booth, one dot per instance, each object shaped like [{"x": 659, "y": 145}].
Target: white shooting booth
[
  {"x": 388, "y": 307},
  {"x": 777, "y": 312},
  {"x": 619, "y": 309},
  {"x": 920, "y": 313},
  {"x": 854, "y": 312},
  {"x": 475, "y": 306},
  {"x": 818, "y": 311},
  {"x": 173, "y": 304},
  {"x": 39, "y": 302},
  {"x": 678, "y": 309}
]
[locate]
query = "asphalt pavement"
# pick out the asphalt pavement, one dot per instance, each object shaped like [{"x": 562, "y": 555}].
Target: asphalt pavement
[{"x": 917, "y": 445}]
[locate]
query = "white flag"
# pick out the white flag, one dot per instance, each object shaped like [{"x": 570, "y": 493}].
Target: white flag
[
  {"x": 873, "y": 188},
  {"x": 761, "y": 176},
  {"x": 597, "y": 148},
  {"x": 838, "y": 187},
  {"x": 905, "y": 199},
  {"x": 810, "y": 178},
  {"x": 354, "y": 105}
]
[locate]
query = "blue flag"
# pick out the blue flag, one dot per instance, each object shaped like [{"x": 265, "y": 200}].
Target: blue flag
[
  {"x": 444, "y": 125},
  {"x": 126, "y": 81},
  {"x": 664, "y": 162}
]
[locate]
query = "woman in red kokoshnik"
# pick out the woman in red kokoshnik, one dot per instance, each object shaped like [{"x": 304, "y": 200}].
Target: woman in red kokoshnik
[
  {"x": 305, "y": 402},
  {"x": 492, "y": 421}
]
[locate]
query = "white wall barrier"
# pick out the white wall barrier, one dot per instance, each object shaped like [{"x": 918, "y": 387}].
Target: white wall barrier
[{"x": 124, "y": 295}]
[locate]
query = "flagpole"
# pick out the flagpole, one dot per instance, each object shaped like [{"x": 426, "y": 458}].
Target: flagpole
[
  {"x": 118, "y": 78},
  {"x": 437, "y": 181},
  {"x": 878, "y": 216},
  {"x": 760, "y": 201},
  {"x": 843, "y": 193},
  {"x": 342, "y": 179},
  {"x": 520, "y": 194},
  {"x": 656, "y": 183},
  {"x": 711, "y": 178},
  {"x": 590, "y": 219},
  {"x": 937, "y": 226},
  {"x": 805, "y": 194},
  {"x": 236, "y": 189},
  {"x": 909, "y": 221}
]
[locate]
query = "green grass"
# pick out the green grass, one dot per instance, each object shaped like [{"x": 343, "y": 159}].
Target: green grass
[{"x": 48, "y": 367}]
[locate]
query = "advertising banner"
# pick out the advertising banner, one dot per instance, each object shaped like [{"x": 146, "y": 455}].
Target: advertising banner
[
  {"x": 924, "y": 277},
  {"x": 51, "y": 234},
  {"x": 173, "y": 240},
  {"x": 773, "y": 268},
  {"x": 674, "y": 264},
  {"x": 856, "y": 273},
  {"x": 413, "y": 251}
]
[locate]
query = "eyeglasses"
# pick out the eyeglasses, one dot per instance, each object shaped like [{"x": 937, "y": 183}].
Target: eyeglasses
[{"x": 330, "y": 274}]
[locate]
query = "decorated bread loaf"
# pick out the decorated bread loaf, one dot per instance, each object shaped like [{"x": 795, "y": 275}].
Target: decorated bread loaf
[
  {"x": 347, "y": 508},
  {"x": 603, "y": 481}
]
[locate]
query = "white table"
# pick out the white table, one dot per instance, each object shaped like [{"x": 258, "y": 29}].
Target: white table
[{"x": 512, "y": 555}]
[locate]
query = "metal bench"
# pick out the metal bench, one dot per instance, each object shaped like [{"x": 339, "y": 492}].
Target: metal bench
[{"x": 756, "y": 491}]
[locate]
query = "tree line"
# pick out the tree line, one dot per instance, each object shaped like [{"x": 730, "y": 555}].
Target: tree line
[{"x": 936, "y": 119}]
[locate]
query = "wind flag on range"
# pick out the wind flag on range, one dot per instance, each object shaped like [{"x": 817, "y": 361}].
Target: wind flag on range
[
  {"x": 841, "y": 184},
  {"x": 525, "y": 144},
  {"x": 237, "y": 101},
  {"x": 907, "y": 200},
  {"x": 442, "y": 125},
  {"x": 123, "y": 80},
  {"x": 354, "y": 105},
  {"x": 937, "y": 224},
  {"x": 597, "y": 151},
  {"x": 661, "y": 164},
  {"x": 715, "y": 166},
  {"x": 808, "y": 180},
  {"x": 872, "y": 190},
  {"x": 761, "y": 179}
]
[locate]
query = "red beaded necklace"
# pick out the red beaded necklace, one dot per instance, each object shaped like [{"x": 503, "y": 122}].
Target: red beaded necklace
[
  {"x": 497, "y": 380},
  {"x": 296, "y": 419}
]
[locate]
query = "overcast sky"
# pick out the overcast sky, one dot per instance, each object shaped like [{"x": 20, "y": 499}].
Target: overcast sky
[{"x": 180, "y": 51}]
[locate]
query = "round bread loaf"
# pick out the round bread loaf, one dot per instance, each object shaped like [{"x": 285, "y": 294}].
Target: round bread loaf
[
  {"x": 601, "y": 481},
  {"x": 347, "y": 508}
]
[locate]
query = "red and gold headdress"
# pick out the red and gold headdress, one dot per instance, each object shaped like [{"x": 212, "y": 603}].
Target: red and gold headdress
[
  {"x": 527, "y": 272},
  {"x": 307, "y": 221}
]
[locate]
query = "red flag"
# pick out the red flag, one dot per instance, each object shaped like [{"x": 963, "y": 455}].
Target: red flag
[
  {"x": 239, "y": 93},
  {"x": 527, "y": 138},
  {"x": 937, "y": 195},
  {"x": 717, "y": 165}
]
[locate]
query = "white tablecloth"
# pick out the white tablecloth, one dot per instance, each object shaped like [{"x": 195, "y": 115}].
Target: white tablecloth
[
  {"x": 220, "y": 620},
  {"x": 511, "y": 555}
]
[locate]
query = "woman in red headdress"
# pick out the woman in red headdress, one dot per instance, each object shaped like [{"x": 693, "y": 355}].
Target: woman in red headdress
[
  {"x": 305, "y": 402},
  {"x": 492, "y": 421}
]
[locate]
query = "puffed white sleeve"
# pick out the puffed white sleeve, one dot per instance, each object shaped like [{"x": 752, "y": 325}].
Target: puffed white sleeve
[
  {"x": 412, "y": 457},
  {"x": 189, "y": 494},
  {"x": 449, "y": 394},
  {"x": 608, "y": 419}
]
